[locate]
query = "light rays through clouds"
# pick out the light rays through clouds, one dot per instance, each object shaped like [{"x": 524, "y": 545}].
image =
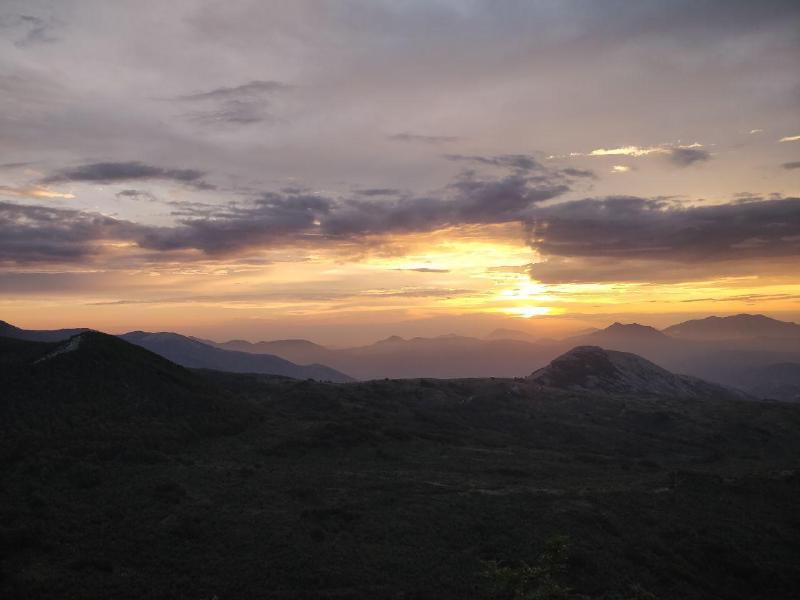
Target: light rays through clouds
[{"x": 214, "y": 167}]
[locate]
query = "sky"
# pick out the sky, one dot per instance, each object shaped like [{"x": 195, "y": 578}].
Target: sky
[{"x": 347, "y": 170}]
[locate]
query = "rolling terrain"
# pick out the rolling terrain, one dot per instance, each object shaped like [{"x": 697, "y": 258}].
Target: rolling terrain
[
  {"x": 193, "y": 353},
  {"x": 127, "y": 476}
]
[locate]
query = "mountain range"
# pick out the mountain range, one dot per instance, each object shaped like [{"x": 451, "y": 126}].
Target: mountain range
[
  {"x": 192, "y": 353},
  {"x": 754, "y": 353}
]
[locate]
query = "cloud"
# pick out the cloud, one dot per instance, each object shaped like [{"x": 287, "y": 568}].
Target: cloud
[
  {"x": 620, "y": 169},
  {"x": 241, "y": 104},
  {"x": 113, "y": 172},
  {"x": 572, "y": 172},
  {"x": 639, "y": 151},
  {"x": 791, "y": 165},
  {"x": 277, "y": 217},
  {"x": 30, "y": 234},
  {"x": 30, "y": 29},
  {"x": 790, "y": 138},
  {"x": 655, "y": 228},
  {"x": 748, "y": 298},
  {"x": 34, "y": 192},
  {"x": 250, "y": 89},
  {"x": 136, "y": 195},
  {"x": 683, "y": 157},
  {"x": 624, "y": 151},
  {"x": 379, "y": 192},
  {"x": 288, "y": 216},
  {"x": 424, "y": 270},
  {"x": 425, "y": 139},
  {"x": 521, "y": 162}
]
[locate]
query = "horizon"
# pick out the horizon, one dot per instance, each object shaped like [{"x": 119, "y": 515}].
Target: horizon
[
  {"x": 343, "y": 172},
  {"x": 363, "y": 341}
]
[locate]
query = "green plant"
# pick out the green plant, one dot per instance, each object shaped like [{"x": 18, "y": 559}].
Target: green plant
[{"x": 540, "y": 581}]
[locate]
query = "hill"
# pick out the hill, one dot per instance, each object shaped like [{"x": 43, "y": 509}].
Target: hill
[
  {"x": 593, "y": 369},
  {"x": 192, "y": 353},
  {"x": 735, "y": 327},
  {"x": 127, "y": 476},
  {"x": 94, "y": 388}
]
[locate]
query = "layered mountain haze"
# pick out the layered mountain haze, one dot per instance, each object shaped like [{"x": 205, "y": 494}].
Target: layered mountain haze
[
  {"x": 516, "y": 353},
  {"x": 193, "y": 353}
]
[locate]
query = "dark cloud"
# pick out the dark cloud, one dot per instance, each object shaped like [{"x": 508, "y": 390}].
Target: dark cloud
[
  {"x": 291, "y": 215},
  {"x": 791, "y": 165},
  {"x": 425, "y": 139},
  {"x": 276, "y": 217},
  {"x": 379, "y": 192},
  {"x": 31, "y": 234},
  {"x": 572, "y": 172},
  {"x": 113, "y": 172},
  {"x": 683, "y": 157},
  {"x": 136, "y": 195},
  {"x": 269, "y": 219},
  {"x": 629, "y": 238},
  {"x": 522, "y": 162}
]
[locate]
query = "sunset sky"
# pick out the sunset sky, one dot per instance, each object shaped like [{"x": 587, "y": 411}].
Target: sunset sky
[{"x": 343, "y": 171}]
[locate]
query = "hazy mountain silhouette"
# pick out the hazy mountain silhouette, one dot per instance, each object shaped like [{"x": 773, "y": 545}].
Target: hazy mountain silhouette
[
  {"x": 37, "y": 335},
  {"x": 192, "y": 353},
  {"x": 189, "y": 352},
  {"x": 594, "y": 369},
  {"x": 623, "y": 333},
  {"x": 461, "y": 356},
  {"x": 736, "y": 327},
  {"x": 779, "y": 381},
  {"x": 723, "y": 361},
  {"x": 297, "y": 350}
]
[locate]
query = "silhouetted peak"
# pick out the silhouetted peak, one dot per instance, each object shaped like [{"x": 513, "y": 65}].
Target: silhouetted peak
[{"x": 591, "y": 368}]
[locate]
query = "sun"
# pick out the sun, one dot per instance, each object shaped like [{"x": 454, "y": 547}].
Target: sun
[{"x": 530, "y": 311}]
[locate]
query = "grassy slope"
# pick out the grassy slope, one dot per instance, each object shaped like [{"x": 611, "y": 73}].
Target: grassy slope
[{"x": 399, "y": 489}]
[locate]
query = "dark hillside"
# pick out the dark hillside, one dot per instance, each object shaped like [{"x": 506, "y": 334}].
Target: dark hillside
[
  {"x": 385, "y": 489},
  {"x": 94, "y": 388}
]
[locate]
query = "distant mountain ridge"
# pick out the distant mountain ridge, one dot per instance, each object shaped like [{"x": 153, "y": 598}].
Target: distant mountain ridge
[
  {"x": 188, "y": 352},
  {"x": 38, "y": 335},
  {"x": 734, "y": 328},
  {"x": 192, "y": 353},
  {"x": 624, "y": 332},
  {"x": 594, "y": 369}
]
